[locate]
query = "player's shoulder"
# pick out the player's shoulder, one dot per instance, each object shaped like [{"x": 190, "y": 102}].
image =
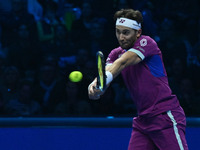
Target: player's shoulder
[
  {"x": 116, "y": 53},
  {"x": 145, "y": 40},
  {"x": 117, "y": 50}
]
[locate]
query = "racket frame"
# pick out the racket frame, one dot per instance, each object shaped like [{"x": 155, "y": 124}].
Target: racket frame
[{"x": 101, "y": 78}]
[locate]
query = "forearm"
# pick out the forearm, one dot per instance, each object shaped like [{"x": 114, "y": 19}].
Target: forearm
[
  {"x": 116, "y": 68},
  {"x": 127, "y": 59}
]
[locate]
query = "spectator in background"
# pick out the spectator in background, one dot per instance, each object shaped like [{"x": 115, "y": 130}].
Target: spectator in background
[
  {"x": 5, "y": 6},
  {"x": 62, "y": 46},
  {"x": 150, "y": 26},
  {"x": 82, "y": 26},
  {"x": 82, "y": 56},
  {"x": 176, "y": 74},
  {"x": 3, "y": 56},
  {"x": 2, "y": 66},
  {"x": 1, "y": 104},
  {"x": 46, "y": 26},
  {"x": 74, "y": 62},
  {"x": 106, "y": 104},
  {"x": 123, "y": 4},
  {"x": 35, "y": 8},
  {"x": 96, "y": 38},
  {"x": 79, "y": 62},
  {"x": 193, "y": 53},
  {"x": 170, "y": 46},
  {"x": 12, "y": 20},
  {"x": 49, "y": 88},
  {"x": 10, "y": 86},
  {"x": 69, "y": 14},
  {"x": 3, "y": 48},
  {"x": 24, "y": 52},
  {"x": 89, "y": 71},
  {"x": 95, "y": 35},
  {"x": 73, "y": 103},
  {"x": 194, "y": 67},
  {"x": 190, "y": 39},
  {"x": 23, "y": 104},
  {"x": 189, "y": 98}
]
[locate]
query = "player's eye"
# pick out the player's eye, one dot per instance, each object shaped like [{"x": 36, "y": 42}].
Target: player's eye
[
  {"x": 126, "y": 32},
  {"x": 117, "y": 31}
]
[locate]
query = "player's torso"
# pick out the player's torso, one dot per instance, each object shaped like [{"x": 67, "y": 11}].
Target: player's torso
[{"x": 147, "y": 81}]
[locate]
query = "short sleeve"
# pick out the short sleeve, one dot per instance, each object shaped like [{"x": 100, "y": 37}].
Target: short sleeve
[
  {"x": 114, "y": 54},
  {"x": 145, "y": 47}
]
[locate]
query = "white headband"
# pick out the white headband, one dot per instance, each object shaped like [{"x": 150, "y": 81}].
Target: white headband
[{"x": 128, "y": 23}]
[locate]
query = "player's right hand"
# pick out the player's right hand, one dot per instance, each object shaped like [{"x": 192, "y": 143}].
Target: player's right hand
[{"x": 93, "y": 92}]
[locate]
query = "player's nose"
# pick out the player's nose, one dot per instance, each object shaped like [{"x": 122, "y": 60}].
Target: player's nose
[{"x": 121, "y": 37}]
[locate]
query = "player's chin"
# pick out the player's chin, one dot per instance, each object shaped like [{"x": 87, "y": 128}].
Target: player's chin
[{"x": 125, "y": 46}]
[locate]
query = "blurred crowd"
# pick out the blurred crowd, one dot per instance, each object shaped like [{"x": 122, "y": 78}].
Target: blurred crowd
[{"x": 42, "y": 41}]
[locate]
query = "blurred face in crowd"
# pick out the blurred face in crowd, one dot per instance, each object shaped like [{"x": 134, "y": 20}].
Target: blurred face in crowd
[
  {"x": 60, "y": 32},
  {"x": 82, "y": 55},
  {"x": 0, "y": 33},
  {"x": 123, "y": 4},
  {"x": 127, "y": 36},
  {"x": 199, "y": 29},
  {"x": 50, "y": 14},
  {"x": 177, "y": 66},
  {"x": 23, "y": 32},
  {"x": 86, "y": 9},
  {"x": 11, "y": 75},
  {"x": 72, "y": 88},
  {"x": 48, "y": 74},
  {"x": 186, "y": 86},
  {"x": 166, "y": 29},
  {"x": 25, "y": 92},
  {"x": 96, "y": 30},
  {"x": 17, "y": 5}
]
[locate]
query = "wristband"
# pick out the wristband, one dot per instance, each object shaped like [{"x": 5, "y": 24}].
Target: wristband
[{"x": 109, "y": 77}]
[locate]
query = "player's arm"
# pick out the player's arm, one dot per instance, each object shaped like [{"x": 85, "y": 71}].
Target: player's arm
[{"x": 127, "y": 59}]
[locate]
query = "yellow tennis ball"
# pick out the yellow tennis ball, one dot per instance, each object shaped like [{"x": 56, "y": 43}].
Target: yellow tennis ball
[{"x": 75, "y": 76}]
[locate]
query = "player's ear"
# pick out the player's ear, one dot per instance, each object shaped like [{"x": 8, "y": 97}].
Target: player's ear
[{"x": 139, "y": 32}]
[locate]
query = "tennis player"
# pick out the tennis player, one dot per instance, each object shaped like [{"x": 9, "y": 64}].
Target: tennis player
[{"x": 161, "y": 121}]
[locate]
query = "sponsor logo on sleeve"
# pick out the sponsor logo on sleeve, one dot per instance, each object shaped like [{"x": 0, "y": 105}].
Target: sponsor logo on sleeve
[
  {"x": 140, "y": 48},
  {"x": 143, "y": 42}
]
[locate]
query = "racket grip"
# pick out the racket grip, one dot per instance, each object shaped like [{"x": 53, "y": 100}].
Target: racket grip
[{"x": 98, "y": 82}]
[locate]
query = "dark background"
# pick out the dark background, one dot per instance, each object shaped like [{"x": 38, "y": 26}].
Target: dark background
[{"x": 42, "y": 41}]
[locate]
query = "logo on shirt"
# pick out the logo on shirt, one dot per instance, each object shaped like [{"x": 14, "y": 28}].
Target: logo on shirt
[
  {"x": 143, "y": 42},
  {"x": 122, "y": 21}
]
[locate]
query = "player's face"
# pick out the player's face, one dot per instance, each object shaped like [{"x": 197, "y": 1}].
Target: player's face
[{"x": 127, "y": 36}]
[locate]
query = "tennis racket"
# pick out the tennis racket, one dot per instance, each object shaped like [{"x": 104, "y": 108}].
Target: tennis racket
[{"x": 101, "y": 78}]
